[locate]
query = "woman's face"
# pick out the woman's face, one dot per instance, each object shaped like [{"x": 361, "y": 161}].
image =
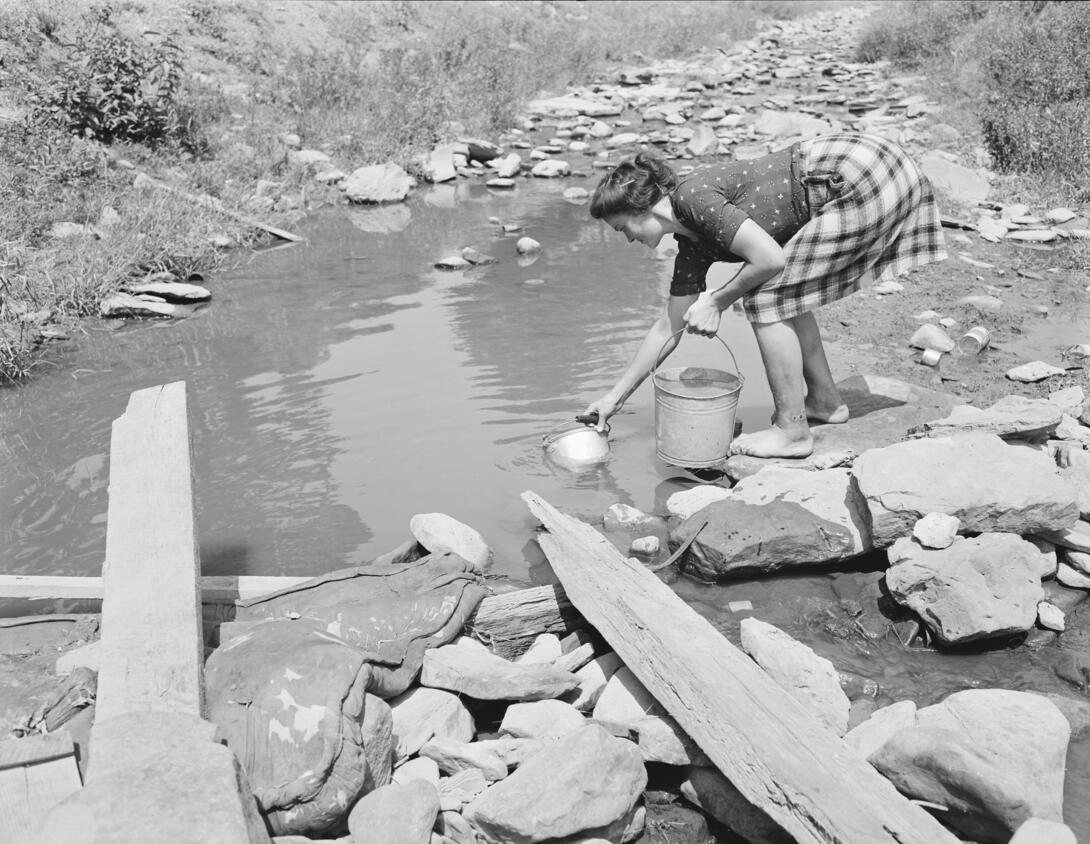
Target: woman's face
[{"x": 647, "y": 229}]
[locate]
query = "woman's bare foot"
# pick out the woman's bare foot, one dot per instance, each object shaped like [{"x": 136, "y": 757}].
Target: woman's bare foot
[
  {"x": 828, "y": 414},
  {"x": 774, "y": 442}
]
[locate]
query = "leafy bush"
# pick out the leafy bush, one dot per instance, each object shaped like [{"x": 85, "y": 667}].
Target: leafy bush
[
  {"x": 113, "y": 89},
  {"x": 1023, "y": 66}
]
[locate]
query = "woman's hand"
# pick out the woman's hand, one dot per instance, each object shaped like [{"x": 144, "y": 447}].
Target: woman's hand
[
  {"x": 605, "y": 407},
  {"x": 703, "y": 316}
]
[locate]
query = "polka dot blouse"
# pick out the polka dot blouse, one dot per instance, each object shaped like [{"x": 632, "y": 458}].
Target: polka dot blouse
[{"x": 713, "y": 201}]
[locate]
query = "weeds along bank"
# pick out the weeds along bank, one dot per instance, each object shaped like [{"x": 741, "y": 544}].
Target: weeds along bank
[
  {"x": 201, "y": 93},
  {"x": 1020, "y": 70}
]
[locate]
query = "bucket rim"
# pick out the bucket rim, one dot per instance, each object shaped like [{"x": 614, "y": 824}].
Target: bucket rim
[{"x": 657, "y": 379}]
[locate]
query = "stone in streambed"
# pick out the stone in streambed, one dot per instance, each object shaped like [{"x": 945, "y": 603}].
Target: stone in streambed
[
  {"x": 1034, "y": 371},
  {"x": 869, "y": 736},
  {"x": 485, "y": 676},
  {"x": 593, "y": 678},
  {"x": 461, "y": 788},
  {"x": 586, "y": 780},
  {"x": 1077, "y": 472},
  {"x": 395, "y": 814},
  {"x": 1041, "y": 831},
  {"x": 454, "y": 756},
  {"x": 1050, "y": 616},
  {"x": 929, "y": 336},
  {"x": 776, "y": 519},
  {"x": 624, "y": 517},
  {"x": 439, "y": 532},
  {"x": 936, "y": 530},
  {"x": 176, "y": 292},
  {"x": 419, "y": 768},
  {"x": 993, "y": 757},
  {"x": 378, "y": 183},
  {"x": 683, "y": 504},
  {"x": 978, "y": 588},
  {"x": 541, "y": 719},
  {"x": 1011, "y": 417},
  {"x": 810, "y": 679},
  {"x": 421, "y": 714},
  {"x": 987, "y": 484},
  {"x": 126, "y": 305}
]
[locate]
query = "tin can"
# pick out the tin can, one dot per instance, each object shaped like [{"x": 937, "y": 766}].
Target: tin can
[
  {"x": 974, "y": 341},
  {"x": 930, "y": 357}
]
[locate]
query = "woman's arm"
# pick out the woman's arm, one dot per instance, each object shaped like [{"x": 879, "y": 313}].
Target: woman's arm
[
  {"x": 669, "y": 323},
  {"x": 764, "y": 260}
]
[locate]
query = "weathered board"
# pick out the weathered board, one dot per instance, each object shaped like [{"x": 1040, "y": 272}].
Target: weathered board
[
  {"x": 774, "y": 751},
  {"x": 150, "y": 653},
  {"x": 36, "y": 773},
  {"x": 508, "y": 622}
]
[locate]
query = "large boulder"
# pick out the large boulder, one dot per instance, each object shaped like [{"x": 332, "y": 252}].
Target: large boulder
[
  {"x": 395, "y": 814},
  {"x": 586, "y": 780},
  {"x": 439, "y": 532},
  {"x": 378, "y": 183},
  {"x": 776, "y": 519},
  {"x": 994, "y": 758},
  {"x": 810, "y": 679},
  {"x": 987, "y": 484},
  {"x": 869, "y": 736},
  {"x": 978, "y": 588}
]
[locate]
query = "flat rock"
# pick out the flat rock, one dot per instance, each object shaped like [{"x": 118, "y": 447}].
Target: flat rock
[
  {"x": 378, "y": 183},
  {"x": 962, "y": 185},
  {"x": 869, "y": 736},
  {"x": 978, "y": 588},
  {"x": 550, "y": 168},
  {"x": 988, "y": 485},
  {"x": 790, "y": 124},
  {"x": 485, "y": 676},
  {"x": 561, "y": 791},
  {"x": 683, "y": 504},
  {"x": 127, "y": 305},
  {"x": 454, "y": 756},
  {"x": 779, "y": 518},
  {"x": 574, "y": 103},
  {"x": 439, "y": 532},
  {"x": 993, "y": 757},
  {"x": 882, "y": 411},
  {"x": 1012, "y": 417},
  {"x": 419, "y": 768},
  {"x": 461, "y": 788},
  {"x": 395, "y": 814},
  {"x": 593, "y": 678},
  {"x": 1050, "y": 616},
  {"x": 421, "y": 714},
  {"x": 541, "y": 719},
  {"x": 1070, "y": 400},
  {"x": 1034, "y": 371},
  {"x": 936, "y": 530},
  {"x": 171, "y": 291},
  {"x": 810, "y": 679}
]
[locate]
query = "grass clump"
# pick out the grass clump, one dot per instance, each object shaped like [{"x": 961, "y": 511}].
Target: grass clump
[{"x": 1021, "y": 68}]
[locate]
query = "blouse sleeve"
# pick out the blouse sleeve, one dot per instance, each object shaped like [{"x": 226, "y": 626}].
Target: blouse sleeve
[{"x": 709, "y": 216}]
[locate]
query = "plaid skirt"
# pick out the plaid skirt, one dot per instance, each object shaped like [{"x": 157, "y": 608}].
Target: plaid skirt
[{"x": 872, "y": 216}]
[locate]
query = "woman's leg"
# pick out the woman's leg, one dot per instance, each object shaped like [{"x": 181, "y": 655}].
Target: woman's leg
[
  {"x": 823, "y": 402},
  {"x": 789, "y": 435}
]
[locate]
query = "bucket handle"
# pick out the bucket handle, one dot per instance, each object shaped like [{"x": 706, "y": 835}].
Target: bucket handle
[
  {"x": 548, "y": 434},
  {"x": 734, "y": 360}
]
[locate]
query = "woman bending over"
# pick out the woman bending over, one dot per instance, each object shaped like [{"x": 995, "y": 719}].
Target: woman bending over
[{"x": 811, "y": 224}]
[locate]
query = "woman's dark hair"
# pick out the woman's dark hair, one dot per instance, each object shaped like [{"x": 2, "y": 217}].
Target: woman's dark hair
[{"x": 633, "y": 187}]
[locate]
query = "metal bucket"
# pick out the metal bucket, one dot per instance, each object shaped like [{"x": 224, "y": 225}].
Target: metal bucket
[
  {"x": 573, "y": 444},
  {"x": 695, "y": 409}
]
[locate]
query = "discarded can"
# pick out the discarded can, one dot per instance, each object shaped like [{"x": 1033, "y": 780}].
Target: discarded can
[
  {"x": 930, "y": 357},
  {"x": 974, "y": 341}
]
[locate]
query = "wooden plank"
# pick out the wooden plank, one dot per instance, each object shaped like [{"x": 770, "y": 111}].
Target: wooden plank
[
  {"x": 36, "y": 773},
  {"x": 508, "y": 622},
  {"x": 774, "y": 751},
  {"x": 150, "y": 652},
  {"x": 215, "y": 589}
]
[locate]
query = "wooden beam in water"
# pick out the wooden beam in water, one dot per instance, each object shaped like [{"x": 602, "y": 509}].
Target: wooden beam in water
[
  {"x": 774, "y": 751},
  {"x": 151, "y": 654}
]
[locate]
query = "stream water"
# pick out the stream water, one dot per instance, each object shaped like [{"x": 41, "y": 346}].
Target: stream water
[{"x": 339, "y": 386}]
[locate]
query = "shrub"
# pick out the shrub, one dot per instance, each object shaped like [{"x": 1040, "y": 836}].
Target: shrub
[{"x": 114, "y": 89}]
